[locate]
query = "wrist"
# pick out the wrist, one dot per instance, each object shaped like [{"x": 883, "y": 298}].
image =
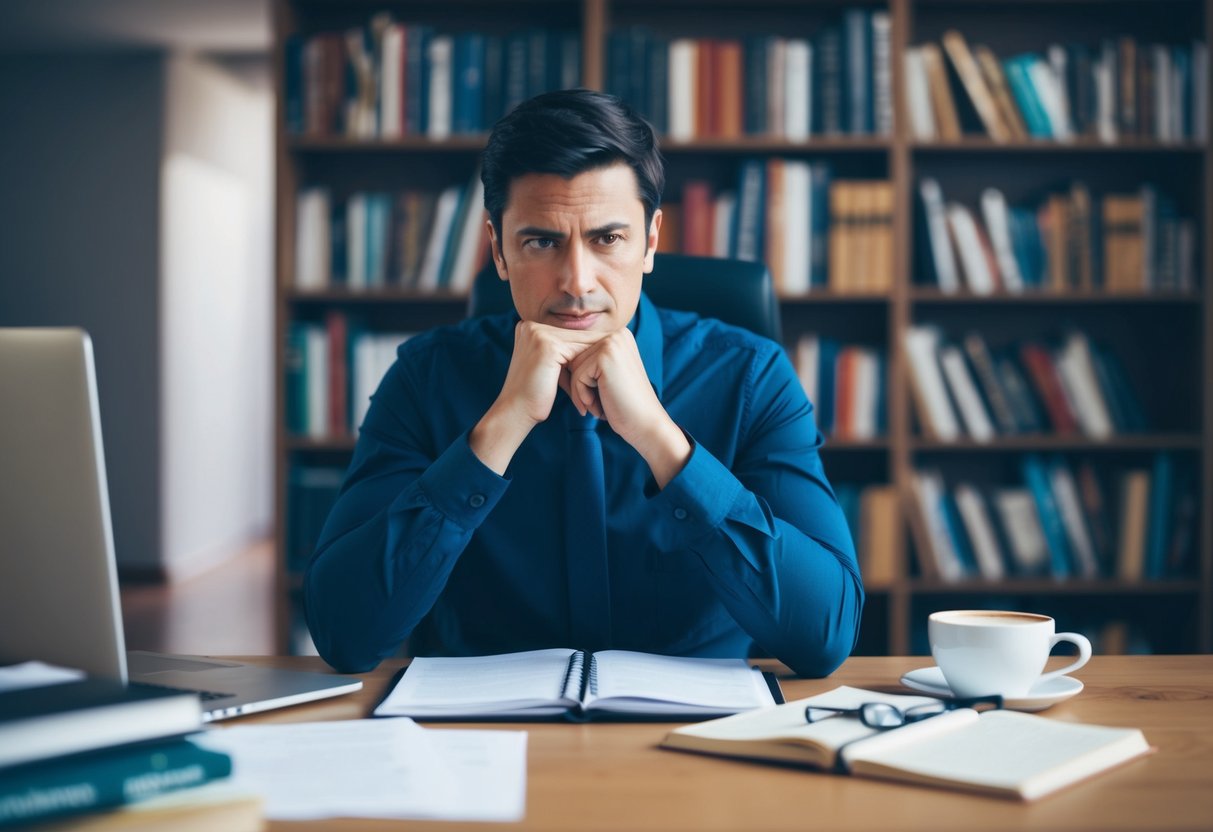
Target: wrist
[
  {"x": 666, "y": 450},
  {"x": 497, "y": 436}
]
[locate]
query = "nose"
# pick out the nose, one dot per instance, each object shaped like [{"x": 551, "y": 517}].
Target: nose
[{"x": 577, "y": 273}]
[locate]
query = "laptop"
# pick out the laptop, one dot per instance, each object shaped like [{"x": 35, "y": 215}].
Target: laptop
[{"x": 59, "y": 598}]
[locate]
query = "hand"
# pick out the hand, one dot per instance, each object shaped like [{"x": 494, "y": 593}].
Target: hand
[
  {"x": 608, "y": 380},
  {"x": 538, "y": 368}
]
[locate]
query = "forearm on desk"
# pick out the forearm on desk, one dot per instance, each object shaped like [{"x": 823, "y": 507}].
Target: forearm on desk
[{"x": 388, "y": 549}]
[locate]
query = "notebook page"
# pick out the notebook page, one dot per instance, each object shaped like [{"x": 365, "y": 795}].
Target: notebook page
[
  {"x": 1005, "y": 751},
  {"x": 726, "y": 684},
  {"x": 469, "y": 684}
]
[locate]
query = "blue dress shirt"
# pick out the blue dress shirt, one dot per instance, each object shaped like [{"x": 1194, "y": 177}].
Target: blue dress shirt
[{"x": 747, "y": 544}]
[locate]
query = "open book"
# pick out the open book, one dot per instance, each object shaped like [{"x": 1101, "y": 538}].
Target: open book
[
  {"x": 562, "y": 683},
  {"x": 1000, "y": 753}
]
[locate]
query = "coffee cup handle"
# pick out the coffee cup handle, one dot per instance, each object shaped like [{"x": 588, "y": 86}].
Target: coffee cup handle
[{"x": 1084, "y": 654}]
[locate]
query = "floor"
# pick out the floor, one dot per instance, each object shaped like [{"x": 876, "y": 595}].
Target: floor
[{"x": 227, "y": 611}]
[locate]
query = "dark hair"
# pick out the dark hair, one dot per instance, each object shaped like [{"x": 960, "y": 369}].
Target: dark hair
[{"x": 569, "y": 132}]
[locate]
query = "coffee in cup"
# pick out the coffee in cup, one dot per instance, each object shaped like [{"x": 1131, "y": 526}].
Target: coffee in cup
[{"x": 983, "y": 652}]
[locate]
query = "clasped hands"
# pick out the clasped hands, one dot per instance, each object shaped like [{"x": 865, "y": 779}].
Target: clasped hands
[{"x": 602, "y": 373}]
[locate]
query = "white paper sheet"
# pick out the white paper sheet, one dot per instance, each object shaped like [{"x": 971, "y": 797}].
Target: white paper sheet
[
  {"x": 36, "y": 674},
  {"x": 381, "y": 768}
]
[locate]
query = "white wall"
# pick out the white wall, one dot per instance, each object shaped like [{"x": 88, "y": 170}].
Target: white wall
[{"x": 216, "y": 313}]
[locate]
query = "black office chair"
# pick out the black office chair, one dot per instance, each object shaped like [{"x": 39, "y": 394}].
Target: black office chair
[{"x": 737, "y": 292}]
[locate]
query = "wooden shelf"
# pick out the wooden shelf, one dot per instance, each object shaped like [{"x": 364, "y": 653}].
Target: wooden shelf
[
  {"x": 825, "y": 296},
  {"x": 1043, "y": 442},
  {"x": 977, "y": 144},
  {"x": 1074, "y": 297},
  {"x": 386, "y": 294},
  {"x": 1048, "y": 586},
  {"x": 404, "y": 144}
]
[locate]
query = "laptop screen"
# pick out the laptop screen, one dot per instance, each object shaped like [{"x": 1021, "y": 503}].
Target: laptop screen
[{"x": 58, "y": 577}]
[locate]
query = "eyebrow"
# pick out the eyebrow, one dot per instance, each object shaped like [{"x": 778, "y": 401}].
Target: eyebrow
[{"x": 536, "y": 231}]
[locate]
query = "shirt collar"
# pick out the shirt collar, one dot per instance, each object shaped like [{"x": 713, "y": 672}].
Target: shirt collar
[{"x": 646, "y": 327}]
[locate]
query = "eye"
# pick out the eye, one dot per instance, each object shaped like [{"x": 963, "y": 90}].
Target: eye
[
  {"x": 610, "y": 239},
  {"x": 541, "y": 243}
]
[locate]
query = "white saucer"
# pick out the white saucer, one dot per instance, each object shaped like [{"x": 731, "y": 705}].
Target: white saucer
[{"x": 1042, "y": 695}]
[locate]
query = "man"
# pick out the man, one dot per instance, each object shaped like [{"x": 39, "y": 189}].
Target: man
[{"x": 479, "y": 514}]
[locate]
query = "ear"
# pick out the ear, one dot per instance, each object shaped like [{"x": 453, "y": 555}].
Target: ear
[
  {"x": 651, "y": 244},
  {"x": 495, "y": 249}
]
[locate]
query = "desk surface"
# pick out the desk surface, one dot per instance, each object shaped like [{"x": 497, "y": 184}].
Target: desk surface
[{"x": 612, "y": 776}]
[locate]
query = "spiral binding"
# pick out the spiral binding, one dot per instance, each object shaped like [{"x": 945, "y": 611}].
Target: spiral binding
[{"x": 575, "y": 670}]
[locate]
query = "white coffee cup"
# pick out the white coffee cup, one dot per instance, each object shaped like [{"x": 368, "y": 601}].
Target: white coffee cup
[{"x": 988, "y": 651}]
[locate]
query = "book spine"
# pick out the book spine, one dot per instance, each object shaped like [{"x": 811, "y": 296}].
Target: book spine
[{"x": 112, "y": 778}]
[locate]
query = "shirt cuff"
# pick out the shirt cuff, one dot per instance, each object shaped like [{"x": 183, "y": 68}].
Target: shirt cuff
[
  {"x": 461, "y": 487},
  {"x": 696, "y": 501}
]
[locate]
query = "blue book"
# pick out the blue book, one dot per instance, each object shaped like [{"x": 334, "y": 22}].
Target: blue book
[
  {"x": 960, "y": 538},
  {"x": 416, "y": 79},
  {"x": 85, "y": 783},
  {"x": 755, "y": 97},
  {"x": 1158, "y": 526},
  {"x": 1024, "y": 91},
  {"x": 748, "y": 221},
  {"x": 292, "y": 81},
  {"x": 467, "y": 70},
  {"x": 827, "y": 362},
  {"x": 493, "y": 100},
  {"x": 820, "y": 174},
  {"x": 1036, "y": 477},
  {"x": 857, "y": 71},
  {"x": 658, "y": 59}
]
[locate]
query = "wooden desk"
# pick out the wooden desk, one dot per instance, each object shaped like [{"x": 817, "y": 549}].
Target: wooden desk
[{"x": 612, "y": 776}]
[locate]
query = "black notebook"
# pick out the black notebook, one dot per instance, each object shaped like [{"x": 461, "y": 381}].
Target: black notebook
[{"x": 570, "y": 684}]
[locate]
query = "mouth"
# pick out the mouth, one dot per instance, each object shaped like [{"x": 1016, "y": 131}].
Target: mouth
[{"x": 582, "y": 320}]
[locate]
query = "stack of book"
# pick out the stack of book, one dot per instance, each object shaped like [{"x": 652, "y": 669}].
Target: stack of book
[
  {"x": 423, "y": 241},
  {"x": 389, "y": 79},
  {"x": 1121, "y": 242},
  {"x": 968, "y": 390},
  {"x": 1066, "y": 520},
  {"x": 837, "y": 83},
  {"x": 1118, "y": 89},
  {"x": 80, "y": 747},
  {"x": 332, "y": 368}
]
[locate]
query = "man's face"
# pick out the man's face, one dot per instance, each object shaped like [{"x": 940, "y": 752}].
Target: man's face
[{"x": 575, "y": 250}]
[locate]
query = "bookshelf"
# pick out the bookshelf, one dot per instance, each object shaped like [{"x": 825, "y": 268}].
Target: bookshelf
[{"x": 1162, "y": 338}]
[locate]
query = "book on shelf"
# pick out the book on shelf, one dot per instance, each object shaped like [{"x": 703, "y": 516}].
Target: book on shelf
[
  {"x": 997, "y": 753},
  {"x": 100, "y": 779},
  {"x": 37, "y": 723},
  {"x": 846, "y": 385},
  {"x": 1118, "y": 88},
  {"x": 574, "y": 685}
]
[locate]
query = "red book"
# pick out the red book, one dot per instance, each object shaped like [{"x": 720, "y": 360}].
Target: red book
[
  {"x": 338, "y": 332},
  {"x": 1044, "y": 377},
  {"x": 697, "y": 218}
]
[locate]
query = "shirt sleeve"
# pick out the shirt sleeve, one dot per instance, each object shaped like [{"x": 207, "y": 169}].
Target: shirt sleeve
[
  {"x": 769, "y": 529},
  {"x": 404, "y": 515}
]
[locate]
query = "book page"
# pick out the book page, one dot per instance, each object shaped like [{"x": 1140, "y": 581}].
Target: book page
[
  {"x": 648, "y": 680},
  {"x": 472, "y": 685},
  {"x": 1002, "y": 752}
]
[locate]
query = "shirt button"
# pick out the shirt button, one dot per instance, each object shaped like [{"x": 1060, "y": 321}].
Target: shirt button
[
  {"x": 476, "y": 500},
  {"x": 680, "y": 514}
]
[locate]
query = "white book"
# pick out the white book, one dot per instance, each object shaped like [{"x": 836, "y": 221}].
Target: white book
[
  {"x": 1105, "y": 94},
  {"x": 998, "y": 225},
  {"x": 980, "y": 528},
  {"x": 918, "y": 95},
  {"x": 777, "y": 72},
  {"x": 1161, "y": 121},
  {"x": 968, "y": 245},
  {"x": 936, "y": 414},
  {"x": 865, "y": 392},
  {"x": 928, "y": 490},
  {"x": 964, "y": 391},
  {"x": 882, "y": 72},
  {"x": 797, "y": 64},
  {"x": 1076, "y": 368},
  {"x": 313, "y": 249},
  {"x": 471, "y": 235},
  {"x": 355, "y": 241},
  {"x": 682, "y": 70},
  {"x": 937, "y": 233},
  {"x": 569, "y": 683},
  {"x": 724, "y": 212},
  {"x": 808, "y": 360},
  {"x": 317, "y": 362},
  {"x": 441, "y": 87},
  {"x": 1057, "y": 63},
  {"x": 798, "y": 227},
  {"x": 440, "y": 231},
  {"x": 391, "y": 95},
  {"x": 998, "y": 753},
  {"x": 1021, "y": 523},
  {"x": 1069, "y": 506}
]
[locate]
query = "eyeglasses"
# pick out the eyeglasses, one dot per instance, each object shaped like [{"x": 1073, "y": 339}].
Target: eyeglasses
[{"x": 883, "y": 716}]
